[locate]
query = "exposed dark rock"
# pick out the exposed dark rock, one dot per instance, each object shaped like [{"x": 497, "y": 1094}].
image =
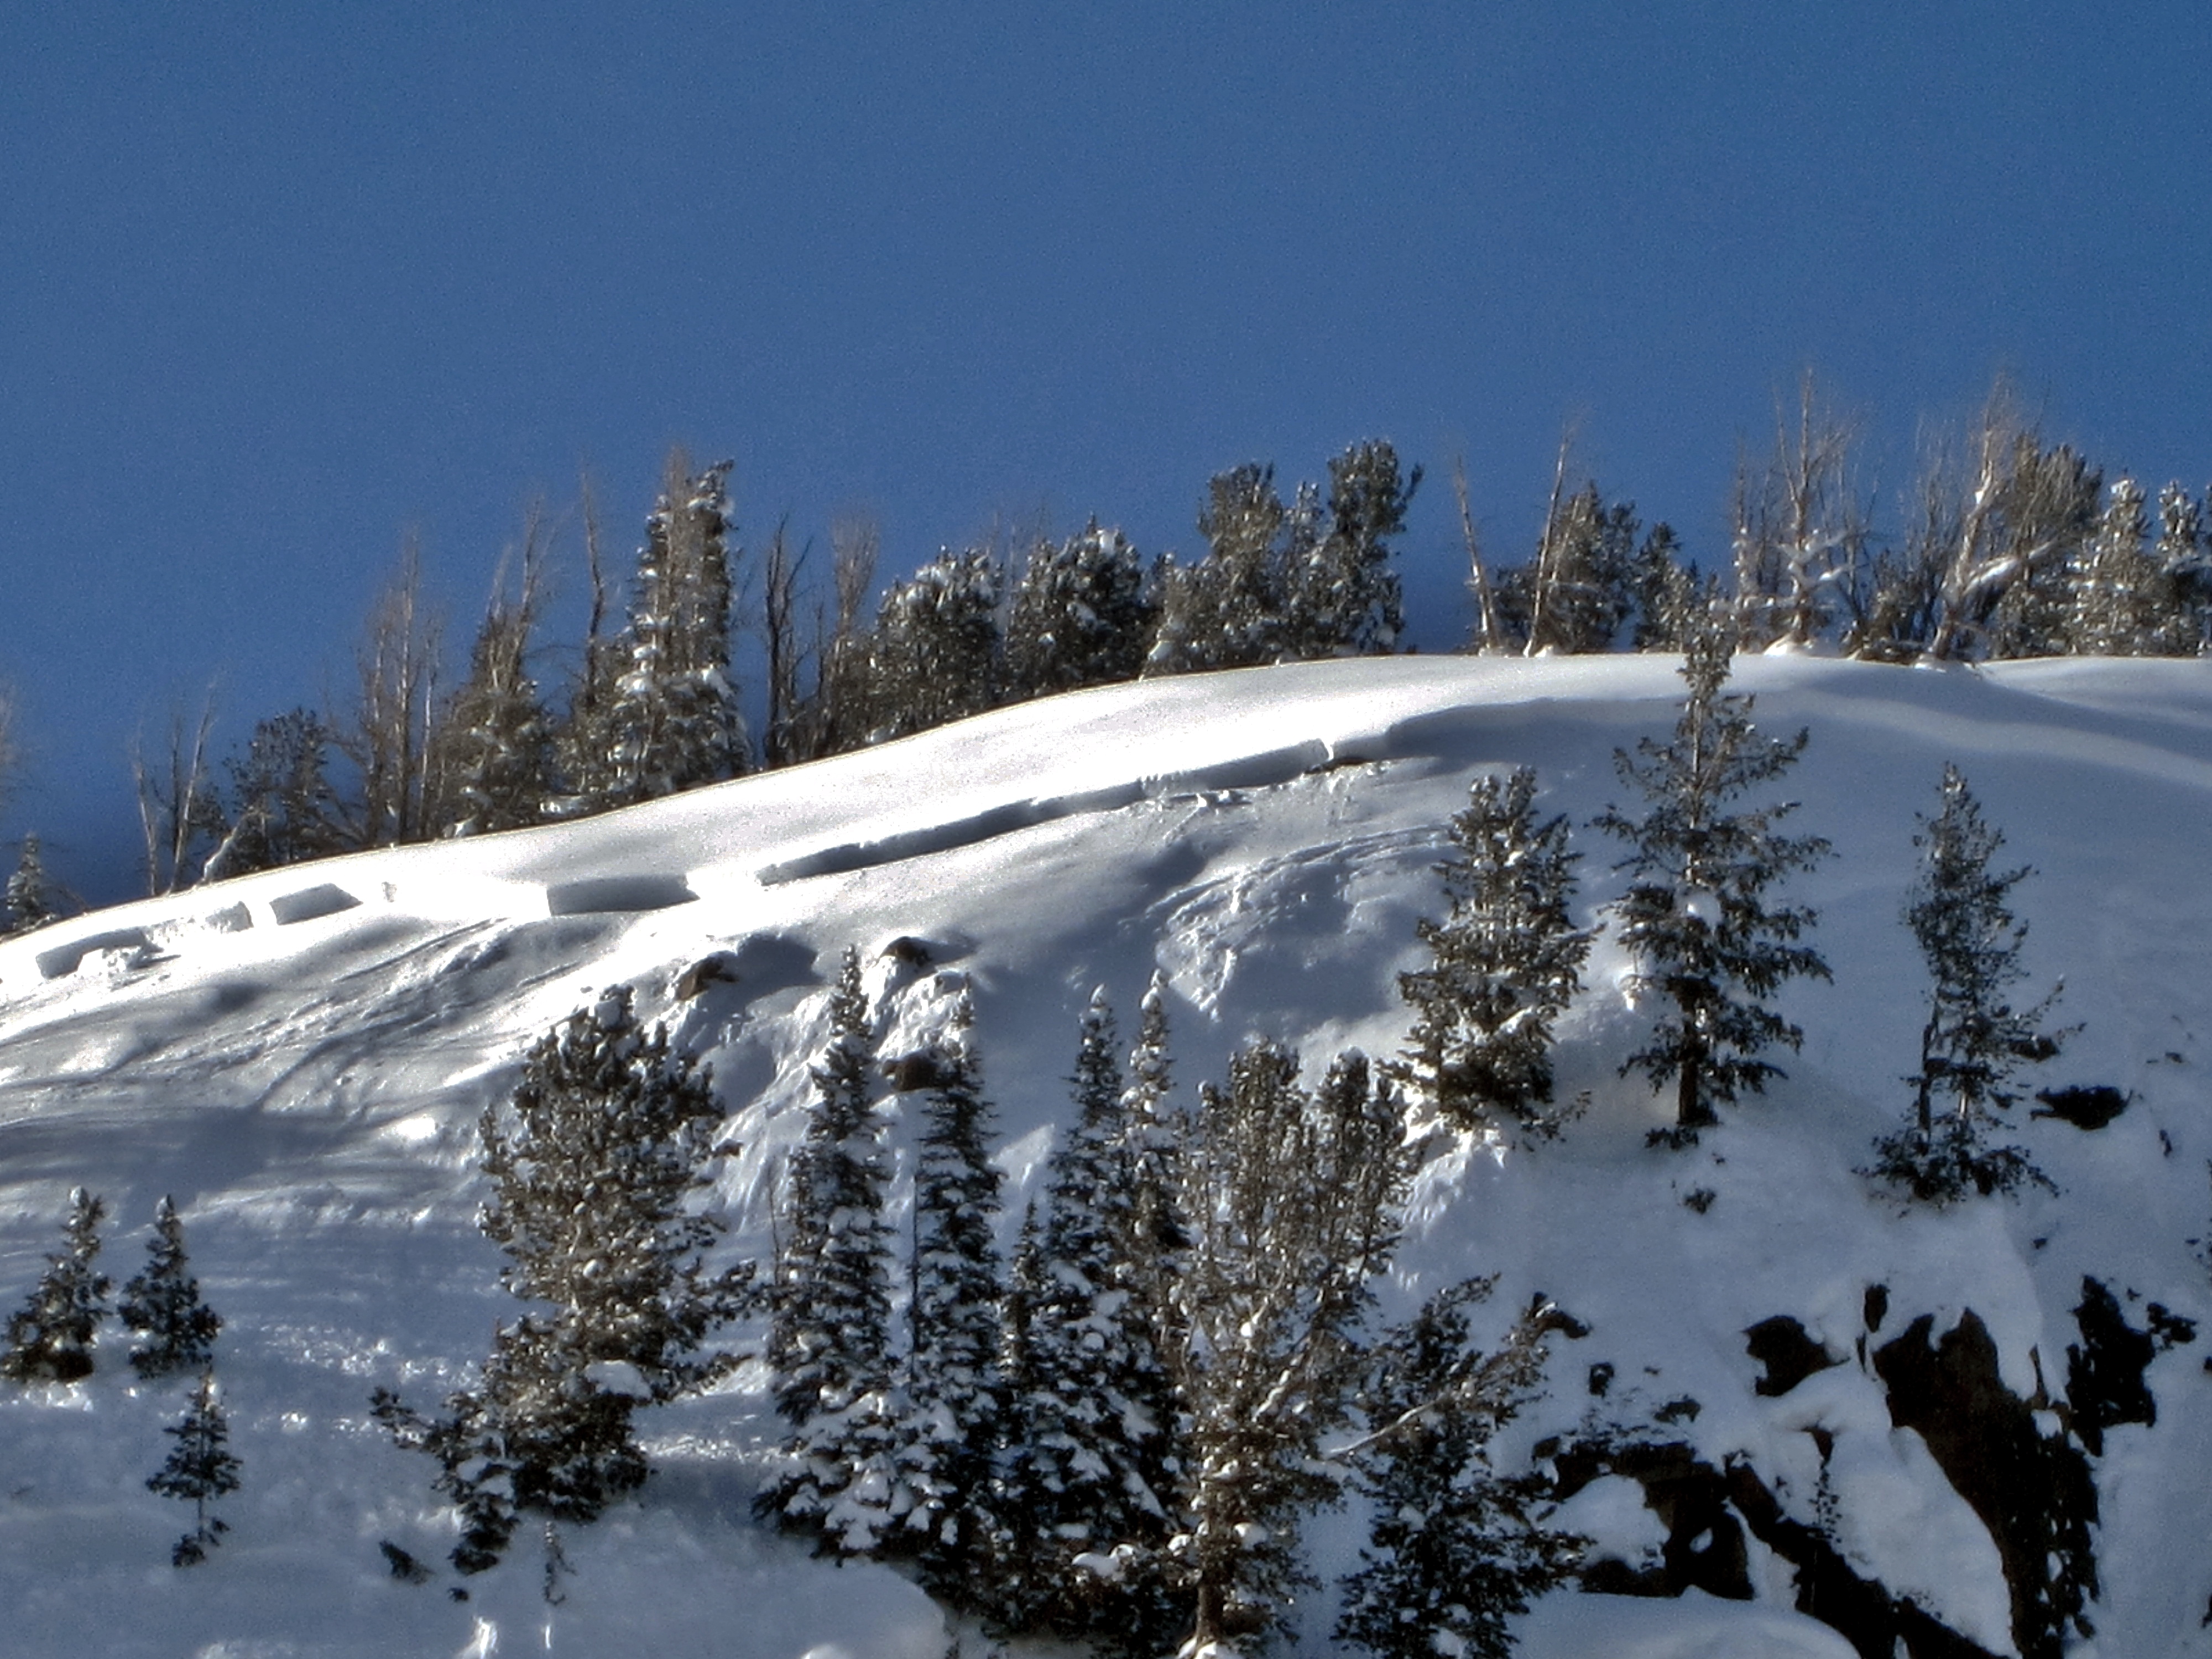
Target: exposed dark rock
[
  {"x": 2085, "y": 1106},
  {"x": 719, "y": 969},
  {"x": 1705, "y": 1511},
  {"x": 1861, "y": 1610},
  {"x": 1705, "y": 1548},
  {"x": 2105, "y": 1384},
  {"x": 2033, "y": 1492},
  {"x": 1684, "y": 1410},
  {"x": 1877, "y": 1306},
  {"x": 1601, "y": 1378},
  {"x": 2171, "y": 1329},
  {"x": 1790, "y": 1355},
  {"x": 919, "y": 1070}
]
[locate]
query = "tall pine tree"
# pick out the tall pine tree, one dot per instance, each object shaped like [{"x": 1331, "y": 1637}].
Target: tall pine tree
[
  {"x": 934, "y": 656},
  {"x": 1697, "y": 918},
  {"x": 1975, "y": 1043},
  {"x": 954, "y": 1395},
  {"x": 1083, "y": 1498},
  {"x": 829, "y": 1340},
  {"x": 1507, "y": 959},
  {"x": 665, "y": 716},
  {"x": 592, "y": 1165},
  {"x": 1294, "y": 1204},
  {"x": 31, "y": 899},
  {"x": 1083, "y": 614},
  {"x": 1456, "y": 1547}
]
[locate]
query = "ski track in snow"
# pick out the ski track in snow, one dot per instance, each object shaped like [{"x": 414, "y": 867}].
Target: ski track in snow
[{"x": 299, "y": 1058}]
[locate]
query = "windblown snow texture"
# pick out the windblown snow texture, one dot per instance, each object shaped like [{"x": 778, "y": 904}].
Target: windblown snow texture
[{"x": 299, "y": 1058}]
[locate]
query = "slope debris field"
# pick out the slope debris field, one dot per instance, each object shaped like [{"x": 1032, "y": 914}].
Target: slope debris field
[{"x": 1781, "y": 1376}]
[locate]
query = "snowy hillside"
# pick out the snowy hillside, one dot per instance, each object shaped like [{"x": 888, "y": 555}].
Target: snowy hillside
[{"x": 300, "y": 1059}]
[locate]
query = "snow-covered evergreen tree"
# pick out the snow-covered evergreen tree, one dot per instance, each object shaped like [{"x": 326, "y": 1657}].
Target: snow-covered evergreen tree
[
  {"x": 593, "y": 1164},
  {"x": 1507, "y": 959},
  {"x": 1085, "y": 1502},
  {"x": 51, "y": 1337},
  {"x": 669, "y": 721},
  {"x": 1696, "y": 919},
  {"x": 31, "y": 897},
  {"x": 954, "y": 1395},
  {"x": 1293, "y": 1201},
  {"x": 1574, "y": 596},
  {"x": 2122, "y": 604},
  {"x": 1345, "y": 598},
  {"x": 280, "y": 803},
  {"x": 200, "y": 1466},
  {"x": 1083, "y": 614},
  {"x": 1669, "y": 598},
  {"x": 496, "y": 742},
  {"x": 829, "y": 1341},
  {"x": 176, "y": 1329},
  {"x": 1456, "y": 1547},
  {"x": 1226, "y": 611},
  {"x": 1155, "y": 1236},
  {"x": 1975, "y": 1043},
  {"x": 2186, "y": 561},
  {"x": 934, "y": 656}
]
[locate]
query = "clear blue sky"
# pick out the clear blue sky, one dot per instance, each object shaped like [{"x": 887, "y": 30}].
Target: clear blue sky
[{"x": 280, "y": 282}]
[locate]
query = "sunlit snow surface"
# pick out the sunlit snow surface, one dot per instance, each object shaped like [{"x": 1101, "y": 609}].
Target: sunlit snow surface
[{"x": 300, "y": 1060}]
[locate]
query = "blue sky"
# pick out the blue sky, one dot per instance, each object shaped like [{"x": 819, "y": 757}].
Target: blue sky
[{"x": 281, "y": 283}]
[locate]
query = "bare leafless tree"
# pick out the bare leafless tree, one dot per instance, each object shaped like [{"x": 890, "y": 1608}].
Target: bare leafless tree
[
  {"x": 838, "y": 718},
  {"x": 1488, "y": 630},
  {"x": 780, "y": 569},
  {"x": 1549, "y": 549},
  {"x": 387, "y": 735},
  {"x": 2023, "y": 511},
  {"x": 1800, "y": 525},
  {"x": 179, "y": 815},
  {"x": 490, "y": 759}
]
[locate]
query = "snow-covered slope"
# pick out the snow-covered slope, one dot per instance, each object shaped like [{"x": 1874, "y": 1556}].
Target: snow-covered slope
[{"x": 300, "y": 1059}]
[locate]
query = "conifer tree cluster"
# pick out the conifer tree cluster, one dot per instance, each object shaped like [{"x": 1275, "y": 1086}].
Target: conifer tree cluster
[
  {"x": 1112, "y": 1437},
  {"x": 2010, "y": 546},
  {"x": 53, "y": 1338}
]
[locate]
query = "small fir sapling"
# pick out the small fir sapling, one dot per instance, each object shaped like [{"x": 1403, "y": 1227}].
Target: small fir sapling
[
  {"x": 31, "y": 898},
  {"x": 1697, "y": 918},
  {"x": 50, "y": 1337},
  {"x": 1975, "y": 1043},
  {"x": 1506, "y": 960},
  {"x": 162, "y": 1304},
  {"x": 200, "y": 1466},
  {"x": 1455, "y": 1546},
  {"x": 591, "y": 1164}
]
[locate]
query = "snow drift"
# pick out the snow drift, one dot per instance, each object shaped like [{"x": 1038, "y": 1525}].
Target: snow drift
[{"x": 299, "y": 1058}]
